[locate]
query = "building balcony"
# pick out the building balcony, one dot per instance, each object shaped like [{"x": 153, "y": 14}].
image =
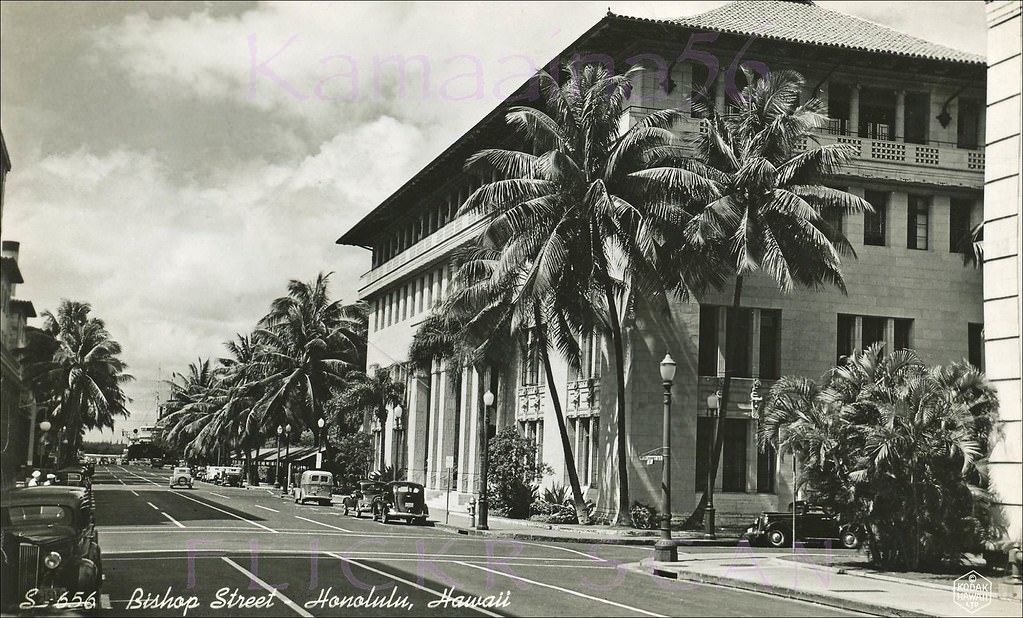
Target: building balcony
[{"x": 879, "y": 157}]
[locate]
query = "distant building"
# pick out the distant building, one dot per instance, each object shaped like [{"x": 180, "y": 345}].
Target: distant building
[
  {"x": 17, "y": 407},
  {"x": 1002, "y": 249},
  {"x": 914, "y": 112}
]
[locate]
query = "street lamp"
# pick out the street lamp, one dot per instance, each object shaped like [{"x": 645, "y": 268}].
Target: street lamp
[
  {"x": 398, "y": 411},
  {"x": 319, "y": 454},
  {"x": 481, "y": 505},
  {"x": 713, "y": 402},
  {"x": 277, "y": 466},
  {"x": 43, "y": 427},
  {"x": 287, "y": 454},
  {"x": 664, "y": 549}
]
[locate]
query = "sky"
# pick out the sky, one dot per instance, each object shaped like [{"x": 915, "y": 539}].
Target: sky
[{"x": 176, "y": 163}]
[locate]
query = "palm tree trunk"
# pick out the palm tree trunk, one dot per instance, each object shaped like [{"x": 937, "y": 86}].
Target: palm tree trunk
[
  {"x": 719, "y": 439},
  {"x": 573, "y": 476},
  {"x": 623, "y": 517}
]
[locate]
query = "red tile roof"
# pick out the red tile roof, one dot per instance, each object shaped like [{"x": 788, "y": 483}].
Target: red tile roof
[{"x": 804, "y": 22}]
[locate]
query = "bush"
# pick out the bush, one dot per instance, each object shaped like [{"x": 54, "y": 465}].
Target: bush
[
  {"x": 557, "y": 494},
  {"x": 644, "y": 516},
  {"x": 514, "y": 473}
]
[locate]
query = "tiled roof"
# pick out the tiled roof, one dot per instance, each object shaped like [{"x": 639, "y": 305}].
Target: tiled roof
[
  {"x": 804, "y": 22},
  {"x": 25, "y": 307}
]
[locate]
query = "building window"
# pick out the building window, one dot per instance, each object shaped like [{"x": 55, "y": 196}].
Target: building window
[
  {"x": 918, "y": 119},
  {"x": 532, "y": 431},
  {"x": 877, "y": 113},
  {"x": 586, "y": 449},
  {"x": 959, "y": 225},
  {"x": 741, "y": 348},
  {"x": 903, "y": 333},
  {"x": 968, "y": 123},
  {"x": 838, "y": 109},
  {"x": 589, "y": 356},
  {"x": 873, "y": 330},
  {"x": 916, "y": 225},
  {"x": 704, "y": 444},
  {"x": 703, "y": 93},
  {"x": 529, "y": 367},
  {"x": 767, "y": 469},
  {"x": 846, "y": 335},
  {"x": 874, "y": 223},
  {"x": 976, "y": 345},
  {"x": 733, "y": 464},
  {"x": 770, "y": 344},
  {"x": 708, "y": 340}
]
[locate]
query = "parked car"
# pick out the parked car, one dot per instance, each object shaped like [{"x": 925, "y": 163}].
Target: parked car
[
  {"x": 230, "y": 476},
  {"x": 51, "y": 548},
  {"x": 813, "y": 524},
  {"x": 401, "y": 500},
  {"x": 181, "y": 476},
  {"x": 314, "y": 485},
  {"x": 362, "y": 498}
]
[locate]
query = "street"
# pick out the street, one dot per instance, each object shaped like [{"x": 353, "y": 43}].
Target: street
[{"x": 235, "y": 551}]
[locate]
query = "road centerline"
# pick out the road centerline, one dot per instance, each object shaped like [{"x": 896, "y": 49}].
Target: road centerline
[
  {"x": 313, "y": 521},
  {"x": 208, "y": 505},
  {"x": 265, "y": 508},
  {"x": 174, "y": 521}
]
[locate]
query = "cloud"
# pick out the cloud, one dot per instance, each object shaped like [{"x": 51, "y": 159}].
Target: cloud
[{"x": 178, "y": 268}]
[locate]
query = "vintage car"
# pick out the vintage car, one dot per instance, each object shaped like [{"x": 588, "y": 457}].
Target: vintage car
[
  {"x": 230, "y": 476},
  {"x": 181, "y": 476},
  {"x": 314, "y": 485},
  {"x": 362, "y": 498},
  {"x": 813, "y": 524},
  {"x": 402, "y": 500},
  {"x": 51, "y": 549}
]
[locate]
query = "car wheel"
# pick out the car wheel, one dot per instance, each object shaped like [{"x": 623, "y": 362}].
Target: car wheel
[
  {"x": 344, "y": 510},
  {"x": 850, "y": 540},
  {"x": 384, "y": 517},
  {"x": 358, "y": 513},
  {"x": 777, "y": 538}
]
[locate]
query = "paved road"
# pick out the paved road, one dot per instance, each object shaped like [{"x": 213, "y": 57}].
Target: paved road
[{"x": 213, "y": 551}]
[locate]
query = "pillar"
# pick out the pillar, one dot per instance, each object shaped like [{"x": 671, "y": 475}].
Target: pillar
[
  {"x": 854, "y": 109},
  {"x": 900, "y": 116}
]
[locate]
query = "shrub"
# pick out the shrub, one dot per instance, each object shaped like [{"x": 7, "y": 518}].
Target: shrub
[
  {"x": 513, "y": 474},
  {"x": 644, "y": 516},
  {"x": 557, "y": 494}
]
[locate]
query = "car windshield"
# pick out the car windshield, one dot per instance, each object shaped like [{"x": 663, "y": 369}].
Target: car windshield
[
  {"x": 181, "y": 471},
  {"x": 36, "y": 514}
]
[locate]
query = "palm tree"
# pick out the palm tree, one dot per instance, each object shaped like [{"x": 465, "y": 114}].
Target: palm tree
[
  {"x": 311, "y": 343},
  {"x": 76, "y": 373},
  {"x": 560, "y": 207},
  {"x": 370, "y": 396},
  {"x": 490, "y": 290},
  {"x": 190, "y": 408},
  {"x": 894, "y": 444},
  {"x": 766, "y": 201}
]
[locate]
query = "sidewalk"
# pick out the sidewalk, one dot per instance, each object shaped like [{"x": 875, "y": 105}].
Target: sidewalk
[
  {"x": 799, "y": 578},
  {"x": 457, "y": 520}
]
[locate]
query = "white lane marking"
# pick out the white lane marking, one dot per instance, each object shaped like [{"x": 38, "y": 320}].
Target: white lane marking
[
  {"x": 141, "y": 477},
  {"x": 248, "y": 521},
  {"x": 153, "y": 505},
  {"x": 134, "y": 492},
  {"x": 252, "y": 576},
  {"x": 313, "y": 521},
  {"x": 574, "y": 551},
  {"x": 266, "y": 508},
  {"x": 219, "y": 496},
  {"x": 407, "y": 582},
  {"x": 174, "y": 521},
  {"x": 565, "y": 590}
]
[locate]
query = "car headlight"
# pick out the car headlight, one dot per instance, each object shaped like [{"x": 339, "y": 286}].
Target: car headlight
[{"x": 52, "y": 560}]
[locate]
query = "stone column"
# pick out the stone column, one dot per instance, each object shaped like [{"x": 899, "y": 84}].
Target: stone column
[
  {"x": 900, "y": 117},
  {"x": 854, "y": 109}
]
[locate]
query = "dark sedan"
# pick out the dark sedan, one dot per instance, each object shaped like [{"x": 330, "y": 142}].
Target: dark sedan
[
  {"x": 812, "y": 524},
  {"x": 52, "y": 549}
]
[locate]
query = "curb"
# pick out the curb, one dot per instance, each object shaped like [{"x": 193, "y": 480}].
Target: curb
[
  {"x": 603, "y": 539},
  {"x": 778, "y": 591}
]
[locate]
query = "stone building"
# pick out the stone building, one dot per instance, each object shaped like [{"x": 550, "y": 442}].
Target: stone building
[
  {"x": 913, "y": 110},
  {"x": 1002, "y": 273},
  {"x": 17, "y": 411}
]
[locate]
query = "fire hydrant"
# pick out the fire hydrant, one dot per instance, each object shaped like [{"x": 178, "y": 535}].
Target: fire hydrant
[{"x": 471, "y": 510}]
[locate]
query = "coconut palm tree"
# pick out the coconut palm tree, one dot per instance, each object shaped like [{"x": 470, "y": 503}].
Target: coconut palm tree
[
  {"x": 311, "y": 343},
  {"x": 560, "y": 208},
  {"x": 190, "y": 408},
  {"x": 76, "y": 373},
  {"x": 765, "y": 205},
  {"x": 370, "y": 397}
]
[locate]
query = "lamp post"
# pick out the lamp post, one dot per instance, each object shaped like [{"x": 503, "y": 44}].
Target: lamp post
[
  {"x": 713, "y": 401},
  {"x": 43, "y": 427},
  {"x": 319, "y": 454},
  {"x": 277, "y": 466},
  {"x": 481, "y": 504},
  {"x": 287, "y": 454},
  {"x": 664, "y": 549}
]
